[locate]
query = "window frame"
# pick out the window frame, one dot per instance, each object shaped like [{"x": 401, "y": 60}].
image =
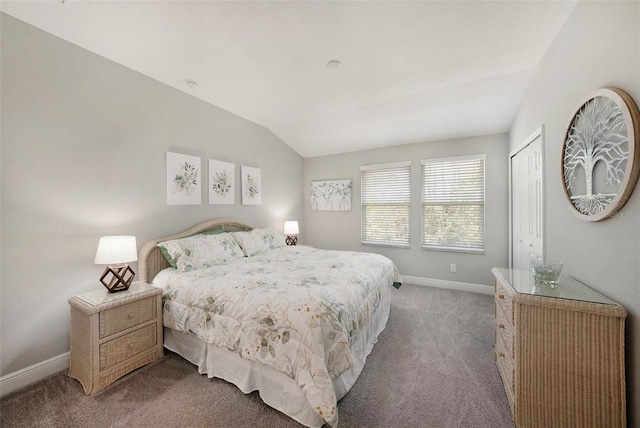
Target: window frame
[
  {"x": 390, "y": 166},
  {"x": 451, "y": 160}
]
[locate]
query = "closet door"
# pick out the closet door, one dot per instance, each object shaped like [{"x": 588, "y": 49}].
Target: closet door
[{"x": 527, "y": 196}]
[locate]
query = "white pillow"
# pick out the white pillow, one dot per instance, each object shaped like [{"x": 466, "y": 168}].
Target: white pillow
[
  {"x": 259, "y": 241},
  {"x": 200, "y": 251}
]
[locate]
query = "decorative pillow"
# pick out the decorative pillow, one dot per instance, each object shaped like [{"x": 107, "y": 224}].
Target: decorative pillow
[
  {"x": 166, "y": 255},
  {"x": 259, "y": 241},
  {"x": 171, "y": 260},
  {"x": 200, "y": 251}
]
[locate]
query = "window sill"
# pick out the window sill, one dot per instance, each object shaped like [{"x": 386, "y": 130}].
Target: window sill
[
  {"x": 380, "y": 244},
  {"x": 454, "y": 250}
]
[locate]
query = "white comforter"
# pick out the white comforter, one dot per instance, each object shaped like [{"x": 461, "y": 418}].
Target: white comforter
[{"x": 296, "y": 309}]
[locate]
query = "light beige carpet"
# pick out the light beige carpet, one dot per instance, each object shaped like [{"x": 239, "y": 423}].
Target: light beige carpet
[{"x": 433, "y": 366}]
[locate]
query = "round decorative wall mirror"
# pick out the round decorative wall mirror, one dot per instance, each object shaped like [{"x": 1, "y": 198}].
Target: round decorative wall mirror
[{"x": 601, "y": 154}]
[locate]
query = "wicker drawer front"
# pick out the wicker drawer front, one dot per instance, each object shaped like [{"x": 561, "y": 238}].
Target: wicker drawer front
[
  {"x": 503, "y": 300},
  {"x": 125, "y": 347},
  {"x": 126, "y": 316},
  {"x": 504, "y": 360},
  {"x": 504, "y": 328}
]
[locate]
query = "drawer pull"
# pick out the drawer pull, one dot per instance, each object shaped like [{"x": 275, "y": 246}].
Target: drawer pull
[
  {"x": 132, "y": 345},
  {"x": 501, "y": 326},
  {"x": 130, "y": 316},
  {"x": 501, "y": 354},
  {"x": 501, "y": 296}
]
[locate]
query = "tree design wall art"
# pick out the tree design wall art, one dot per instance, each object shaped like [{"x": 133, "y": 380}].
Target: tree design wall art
[{"x": 601, "y": 154}]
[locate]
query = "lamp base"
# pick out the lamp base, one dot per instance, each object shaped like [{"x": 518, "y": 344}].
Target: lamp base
[
  {"x": 291, "y": 240},
  {"x": 122, "y": 276}
]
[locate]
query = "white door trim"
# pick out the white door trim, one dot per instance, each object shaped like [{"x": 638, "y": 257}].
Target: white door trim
[{"x": 539, "y": 133}]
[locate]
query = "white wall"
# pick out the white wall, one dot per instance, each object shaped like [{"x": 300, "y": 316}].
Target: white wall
[
  {"x": 341, "y": 229},
  {"x": 84, "y": 142},
  {"x": 598, "y": 46}
]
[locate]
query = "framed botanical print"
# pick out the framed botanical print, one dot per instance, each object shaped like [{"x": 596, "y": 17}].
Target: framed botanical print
[
  {"x": 251, "y": 186},
  {"x": 331, "y": 195},
  {"x": 183, "y": 179},
  {"x": 221, "y": 183}
]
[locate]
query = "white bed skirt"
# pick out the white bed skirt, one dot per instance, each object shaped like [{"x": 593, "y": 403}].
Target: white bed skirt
[{"x": 276, "y": 389}]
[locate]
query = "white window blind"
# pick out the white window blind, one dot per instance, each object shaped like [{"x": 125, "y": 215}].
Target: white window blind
[
  {"x": 386, "y": 204},
  {"x": 453, "y": 203}
]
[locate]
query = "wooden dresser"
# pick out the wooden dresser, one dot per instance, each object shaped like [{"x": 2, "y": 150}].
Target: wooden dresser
[
  {"x": 560, "y": 353},
  {"x": 113, "y": 334}
]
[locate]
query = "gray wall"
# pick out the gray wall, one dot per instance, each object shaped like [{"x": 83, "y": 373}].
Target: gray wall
[
  {"x": 84, "y": 143},
  {"x": 341, "y": 229},
  {"x": 598, "y": 46},
  {"x": 83, "y": 155}
]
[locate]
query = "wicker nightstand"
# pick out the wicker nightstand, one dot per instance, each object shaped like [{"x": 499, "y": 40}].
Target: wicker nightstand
[{"x": 113, "y": 334}]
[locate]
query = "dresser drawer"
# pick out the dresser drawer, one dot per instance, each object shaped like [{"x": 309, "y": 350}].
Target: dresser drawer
[
  {"x": 121, "y": 349},
  {"x": 504, "y": 328},
  {"x": 126, "y": 316},
  {"x": 504, "y": 361},
  {"x": 503, "y": 298}
]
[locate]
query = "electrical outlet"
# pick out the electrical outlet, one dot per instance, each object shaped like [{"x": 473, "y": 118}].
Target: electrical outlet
[{"x": 452, "y": 268}]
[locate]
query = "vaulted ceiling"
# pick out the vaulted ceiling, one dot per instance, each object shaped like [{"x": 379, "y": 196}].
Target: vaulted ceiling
[{"x": 409, "y": 71}]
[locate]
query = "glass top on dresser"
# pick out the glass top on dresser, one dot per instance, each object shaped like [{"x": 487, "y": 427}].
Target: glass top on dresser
[{"x": 568, "y": 288}]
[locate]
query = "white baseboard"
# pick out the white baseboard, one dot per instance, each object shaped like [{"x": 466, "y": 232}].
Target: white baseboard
[
  {"x": 34, "y": 373},
  {"x": 451, "y": 285}
]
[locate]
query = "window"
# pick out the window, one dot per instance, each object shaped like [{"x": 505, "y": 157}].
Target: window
[
  {"x": 453, "y": 203},
  {"x": 386, "y": 204}
]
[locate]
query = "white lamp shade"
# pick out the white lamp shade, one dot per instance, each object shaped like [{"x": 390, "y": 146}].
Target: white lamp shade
[
  {"x": 291, "y": 228},
  {"x": 116, "y": 249}
]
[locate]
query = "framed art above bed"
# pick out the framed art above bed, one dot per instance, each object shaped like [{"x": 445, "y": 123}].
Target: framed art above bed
[
  {"x": 294, "y": 323},
  {"x": 221, "y": 183},
  {"x": 251, "y": 185},
  {"x": 183, "y": 179}
]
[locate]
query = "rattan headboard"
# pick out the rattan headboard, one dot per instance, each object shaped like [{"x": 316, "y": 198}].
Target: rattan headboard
[{"x": 150, "y": 259}]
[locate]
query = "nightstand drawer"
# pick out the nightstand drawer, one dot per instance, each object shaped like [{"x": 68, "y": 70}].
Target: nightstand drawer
[
  {"x": 125, "y": 347},
  {"x": 126, "y": 316}
]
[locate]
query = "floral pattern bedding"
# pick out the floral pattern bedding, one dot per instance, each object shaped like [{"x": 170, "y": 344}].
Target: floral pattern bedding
[{"x": 296, "y": 309}]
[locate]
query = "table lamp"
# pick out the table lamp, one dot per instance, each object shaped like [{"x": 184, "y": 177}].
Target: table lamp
[
  {"x": 291, "y": 230},
  {"x": 116, "y": 252}
]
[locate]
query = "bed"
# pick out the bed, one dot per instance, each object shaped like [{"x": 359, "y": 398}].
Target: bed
[{"x": 294, "y": 323}]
